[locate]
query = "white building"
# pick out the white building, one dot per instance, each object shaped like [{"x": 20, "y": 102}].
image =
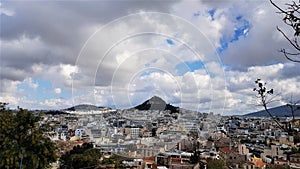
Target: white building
[
  {"x": 134, "y": 133},
  {"x": 79, "y": 132}
]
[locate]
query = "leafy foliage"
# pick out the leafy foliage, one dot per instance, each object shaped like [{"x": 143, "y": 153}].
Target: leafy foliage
[
  {"x": 213, "y": 164},
  {"x": 296, "y": 138},
  {"x": 84, "y": 156},
  {"x": 22, "y": 140},
  {"x": 115, "y": 160}
]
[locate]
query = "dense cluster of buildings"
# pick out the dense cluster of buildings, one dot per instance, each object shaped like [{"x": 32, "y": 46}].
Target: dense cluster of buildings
[{"x": 188, "y": 139}]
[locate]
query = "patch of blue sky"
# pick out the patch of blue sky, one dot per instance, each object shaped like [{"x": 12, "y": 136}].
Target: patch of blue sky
[
  {"x": 184, "y": 67},
  {"x": 238, "y": 18},
  {"x": 148, "y": 64},
  {"x": 170, "y": 42},
  {"x": 145, "y": 73},
  {"x": 150, "y": 71},
  {"x": 26, "y": 86},
  {"x": 212, "y": 13},
  {"x": 43, "y": 92},
  {"x": 65, "y": 94},
  {"x": 224, "y": 45},
  {"x": 241, "y": 30}
]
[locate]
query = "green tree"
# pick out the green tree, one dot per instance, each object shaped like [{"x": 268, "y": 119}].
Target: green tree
[
  {"x": 116, "y": 160},
  {"x": 22, "y": 140},
  {"x": 213, "y": 164},
  {"x": 84, "y": 156}
]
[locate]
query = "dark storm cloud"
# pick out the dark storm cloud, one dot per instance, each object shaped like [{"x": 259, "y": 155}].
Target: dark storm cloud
[
  {"x": 291, "y": 70},
  {"x": 61, "y": 21},
  {"x": 12, "y": 74},
  {"x": 53, "y": 32}
]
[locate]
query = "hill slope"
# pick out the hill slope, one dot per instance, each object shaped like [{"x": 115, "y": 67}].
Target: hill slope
[
  {"x": 280, "y": 111},
  {"x": 156, "y": 103},
  {"x": 84, "y": 107}
]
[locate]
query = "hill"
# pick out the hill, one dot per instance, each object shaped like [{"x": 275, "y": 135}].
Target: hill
[
  {"x": 84, "y": 107},
  {"x": 280, "y": 111},
  {"x": 156, "y": 103}
]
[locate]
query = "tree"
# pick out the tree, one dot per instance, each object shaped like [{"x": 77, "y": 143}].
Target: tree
[
  {"x": 292, "y": 19},
  {"x": 22, "y": 140},
  {"x": 116, "y": 160},
  {"x": 293, "y": 105},
  {"x": 195, "y": 157},
  {"x": 84, "y": 156},
  {"x": 213, "y": 164},
  {"x": 264, "y": 95},
  {"x": 297, "y": 139}
]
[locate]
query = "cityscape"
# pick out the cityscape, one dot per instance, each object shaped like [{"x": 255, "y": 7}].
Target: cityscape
[
  {"x": 160, "y": 138},
  {"x": 137, "y": 84}
]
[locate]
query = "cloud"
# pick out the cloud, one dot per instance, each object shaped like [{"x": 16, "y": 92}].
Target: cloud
[
  {"x": 262, "y": 42},
  {"x": 57, "y": 90},
  {"x": 199, "y": 55},
  {"x": 6, "y": 11},
  {"x": 30, "y": 83}
]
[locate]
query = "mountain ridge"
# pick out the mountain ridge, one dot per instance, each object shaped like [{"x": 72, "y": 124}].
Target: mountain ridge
[
  {"x": 279, "y": 111},
  {"x": 157, "y": 103},
  {"x": 154, "y": 103},
  {"x": 85, "y": 107}
]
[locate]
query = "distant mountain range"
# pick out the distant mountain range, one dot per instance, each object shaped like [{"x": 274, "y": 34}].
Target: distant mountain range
[
  {"x": 85, "y": 107},
  {"x": 157, "y": 103},
  {"x": 154, "y": 103},
  {"x": 280, "y": 111}
]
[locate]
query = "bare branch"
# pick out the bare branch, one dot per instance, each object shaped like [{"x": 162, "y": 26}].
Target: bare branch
[
  {"x": 293, "y": 44},
  {"x": 263, "y": 94},
  {"x": 287, "y": 57},
  {"x": 292, "y": 19},
  {"x": 288, "y": 53},
  {"x": 281, "y": 10}
]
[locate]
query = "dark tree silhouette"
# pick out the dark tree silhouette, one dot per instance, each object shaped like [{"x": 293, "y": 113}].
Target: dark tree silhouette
[
  {"x": 291, "y": 17},
  {"x": 84, "y": 156},
  {"x": 214, "y": 164},
  {"x": 23, "y": 143},
  {"x": 293, "y": 105},
  {"x": 264, "y": 95}
]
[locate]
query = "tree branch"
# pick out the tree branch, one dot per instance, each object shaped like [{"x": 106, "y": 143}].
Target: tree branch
[
  {"x": 291, "y": 18},
  {"x": 287, "y": 57},
  {"x": 281, "y": 10},
  {"x": 293, "y": 44}
]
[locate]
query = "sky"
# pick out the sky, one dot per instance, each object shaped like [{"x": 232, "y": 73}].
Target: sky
[{"x": 199, "y": 55}]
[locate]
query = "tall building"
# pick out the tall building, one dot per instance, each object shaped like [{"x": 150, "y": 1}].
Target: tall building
[{"x": 134, "y": 133}]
